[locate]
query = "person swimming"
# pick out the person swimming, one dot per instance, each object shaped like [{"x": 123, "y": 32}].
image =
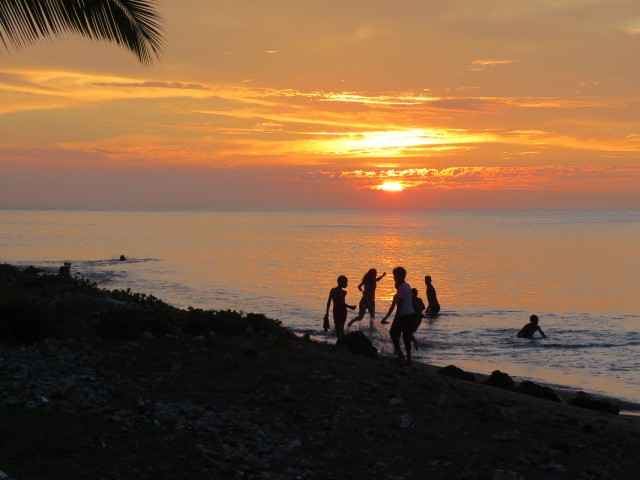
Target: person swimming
[{"x": 530, "y": 328}]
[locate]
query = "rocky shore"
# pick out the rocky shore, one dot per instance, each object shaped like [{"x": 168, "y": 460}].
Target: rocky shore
[{"x": 119, "y": 385}]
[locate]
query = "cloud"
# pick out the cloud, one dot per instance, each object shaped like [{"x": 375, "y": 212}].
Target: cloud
[
  {"x": 633, "y": 28},
  {"x": 543, "y": 178},
  {"x": 230, "y": 124},
  {"x": 154, "y": 84},
  {"x": 365, "y": 33},
  {"x": 472, "y": 104},
  {"x": 488, "y": 62},
  {"x": 483, "y": 64}
]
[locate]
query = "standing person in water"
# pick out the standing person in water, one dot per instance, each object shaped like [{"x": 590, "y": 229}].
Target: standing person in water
[
  {"x": 433, "y": 306},
  {"x": 338, "y": 295},
  {"x": 418, "y": 305},
  {"x": 530, "y": 328},
  {"x": 368, "y": 300},
  {"x": 405, "y": 319}
]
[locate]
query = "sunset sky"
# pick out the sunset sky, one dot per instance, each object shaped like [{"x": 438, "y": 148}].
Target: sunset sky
[{"x": 359, "y": 103}]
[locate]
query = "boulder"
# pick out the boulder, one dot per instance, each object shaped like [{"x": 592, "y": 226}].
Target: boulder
[
  {"x": 500, "y": 380},
  {"x": 456, "y": 372},
  {"x": 358, "y": 343},
  {"x": 584, "y": 400},
  {"x": 530, "y": 388}
]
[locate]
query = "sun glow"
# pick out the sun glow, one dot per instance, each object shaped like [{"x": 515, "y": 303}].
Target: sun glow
[
  {"x": 382, "y": 143},
  {"x": 391, "y": 187},
  {"x": 391, "y": 142}
]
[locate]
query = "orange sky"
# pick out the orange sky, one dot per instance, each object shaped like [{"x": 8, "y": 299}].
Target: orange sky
[{"x": 488, "y": 104}]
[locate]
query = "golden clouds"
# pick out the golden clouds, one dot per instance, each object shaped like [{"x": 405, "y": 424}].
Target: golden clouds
[
  {"x": 497, "y": 142},
  {"x": 462, "y": 96},
  {"x": 544, "y": 178},
  {"x": 633, "y": 28},
  {"x": 488, "y": 61},
  {"x": 378, "y": 143},
  {"x": 59, "y": 89},
  {"x": 482, "y": 64}
]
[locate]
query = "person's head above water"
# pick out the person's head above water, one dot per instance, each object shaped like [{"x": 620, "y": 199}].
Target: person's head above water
[
  {"x": 533, "y": 319},
  {"x": 342, "y": 281},
  {"x": 427, "y": 279}
]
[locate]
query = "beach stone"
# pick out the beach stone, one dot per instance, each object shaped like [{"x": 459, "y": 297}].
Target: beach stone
[
  {"x": 535, "y": 390},
  {"x": 584, "y": 400},
  {"x": 500, "y": 380},
  {"x": 406, "y": 421},
  {"x": 456, "y": 372},
  {"x": 557, "y": 468},
  {"x": 358, "y": 343},
  {"x": 561, "y": 447},
  {"x": 501, "y": 474},
  {"x": 506, "y": 436}
]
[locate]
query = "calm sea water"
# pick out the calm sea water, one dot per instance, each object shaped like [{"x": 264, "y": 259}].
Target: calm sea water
[{"x": 578, "y": 271}]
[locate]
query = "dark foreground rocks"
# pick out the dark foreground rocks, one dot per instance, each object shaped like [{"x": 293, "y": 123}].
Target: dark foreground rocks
[
  {"x": 585, "y": 400},
  {"x": 358, "y": 343},
  {"x": 253, "y": 401},
  {"x": 255, "y": 406}
]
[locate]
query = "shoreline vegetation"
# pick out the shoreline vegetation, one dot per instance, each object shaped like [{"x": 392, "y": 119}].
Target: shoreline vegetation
[{"x": 114, "y": 384}]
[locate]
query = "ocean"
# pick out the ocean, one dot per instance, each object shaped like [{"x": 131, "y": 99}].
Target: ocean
[{"x": 579, "y": 271}]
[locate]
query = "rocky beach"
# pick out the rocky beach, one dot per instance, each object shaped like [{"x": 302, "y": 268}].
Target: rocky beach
[{"x": 103, "y": 384}]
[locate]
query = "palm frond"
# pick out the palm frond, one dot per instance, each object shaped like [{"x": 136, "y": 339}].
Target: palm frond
[{"x": 133, "y": 24}]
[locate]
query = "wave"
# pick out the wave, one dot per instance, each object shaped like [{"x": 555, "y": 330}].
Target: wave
[
  {"x": 114, "y": 261},
  {"x": 54, "y": 264},
  {"x": 541, "y": 342}
]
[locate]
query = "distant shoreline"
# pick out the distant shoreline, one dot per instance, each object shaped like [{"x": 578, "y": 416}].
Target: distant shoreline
[{"x": 302, "y": 210}]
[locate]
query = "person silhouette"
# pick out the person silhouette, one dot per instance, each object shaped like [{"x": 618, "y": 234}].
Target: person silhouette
[
  {"x": 405, "y": 319},
  {"x": 418, "y": 305},
  {"x": 368, "y": 300},
  {"x": 433, "y": 306},
  {"x": 338, "y": 295},
  {"x": 530, "y": 328}
]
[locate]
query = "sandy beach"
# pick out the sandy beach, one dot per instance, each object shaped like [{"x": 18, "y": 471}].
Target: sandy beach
[{"x": 215, "y": 401}]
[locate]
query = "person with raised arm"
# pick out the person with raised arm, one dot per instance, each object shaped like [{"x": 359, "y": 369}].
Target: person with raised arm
[{"x": 368, "y": 300}]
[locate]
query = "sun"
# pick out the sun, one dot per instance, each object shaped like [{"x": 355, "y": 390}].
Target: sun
[{"x": 391, "y": 187}]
